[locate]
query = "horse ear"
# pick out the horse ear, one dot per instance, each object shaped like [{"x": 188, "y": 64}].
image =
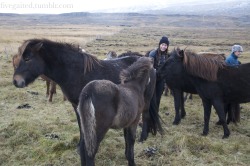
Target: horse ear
[
  {"x": 38, "y": 46},
  {"x": 181, "y": 53}
]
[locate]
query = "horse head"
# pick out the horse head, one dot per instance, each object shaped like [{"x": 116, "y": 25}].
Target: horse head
[
  {"x": 138, "y": 71},
  {"x": 173, "y": 64},
  {"x": 29, "y": 65}
]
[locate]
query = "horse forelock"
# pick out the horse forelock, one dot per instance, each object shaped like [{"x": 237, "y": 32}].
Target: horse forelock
[
  {"x": 202, "y": 66},
  {"x": 22, "y": 48},
  {"x": 136, "y": 70}
]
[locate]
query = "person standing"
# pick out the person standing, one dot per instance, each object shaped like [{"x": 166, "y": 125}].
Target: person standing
[{"x": 160, "y": 56}]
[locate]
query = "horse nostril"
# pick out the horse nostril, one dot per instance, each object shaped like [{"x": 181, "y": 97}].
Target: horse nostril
[
  {"x": 19, "y": 84},
  {"x": 15, "y": 82}
]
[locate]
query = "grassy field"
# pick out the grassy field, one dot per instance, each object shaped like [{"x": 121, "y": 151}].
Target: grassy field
[{"x": 47, "y": 133}]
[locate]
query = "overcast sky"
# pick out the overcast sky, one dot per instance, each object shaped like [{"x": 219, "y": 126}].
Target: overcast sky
[{"x": 66, "y": 6}]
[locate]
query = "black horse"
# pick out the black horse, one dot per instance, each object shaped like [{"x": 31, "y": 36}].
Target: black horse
[
  {"x": 178, "y": 89},
  {"x": 72, "y": 69},
  {"x": 216, "y": 83},
  {"x": 104, "y": 105}
]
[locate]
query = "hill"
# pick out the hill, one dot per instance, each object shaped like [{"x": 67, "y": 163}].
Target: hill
[{"x": 126, "y": 19}]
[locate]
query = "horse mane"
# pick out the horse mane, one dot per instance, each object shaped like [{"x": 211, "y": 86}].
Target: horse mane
[
  {"x": 130, "y": 53},
  {"x": 89, "y": 60},
  {"x": 219, "y": 56},
  {"x": 202, "y": 66},
  {"x": 136, "y": 70}
]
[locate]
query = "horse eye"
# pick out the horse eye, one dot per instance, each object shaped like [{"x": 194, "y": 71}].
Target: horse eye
[{"x": 26, "y": 59}]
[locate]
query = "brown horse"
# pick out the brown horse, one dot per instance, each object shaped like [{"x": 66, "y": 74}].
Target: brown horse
[
  {"x": 104, "y": 105},
  {"x": 50, "y": 85}
]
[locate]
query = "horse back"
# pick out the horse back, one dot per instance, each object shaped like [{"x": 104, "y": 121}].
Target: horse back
[
  {"x": 101, "y": 91},
  {"x": 110, "y": 69},
  {"x": 235, "y": 82}
]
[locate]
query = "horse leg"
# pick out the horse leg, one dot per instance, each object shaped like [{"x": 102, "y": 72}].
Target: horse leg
[
  {"x": 89, "y": 159},
  {"x": 207, "y": 112},
  {"x": 227, "y": 109},
  {"x": 234, "y": 115},
  {"x": 228, "y": 113},
  {"x": 190, "y": 96},
  {"x": 82, "y": 152},
  {"x": 52, "y": 90},
  {"x": 183, "y": 112},
  {"x": 129, "y": 135},
  {"x": 48, "y": 86},
  {"x": 219, "y": 107},
  {"x": 145, "y": 128},
  {"x": 159, "y": 88},
  {"x": 166, "y": 90},
  {"x": 177, "y": 102},
  {"x": 79, "y": 148},
  {"x": 185, "y": 97}
]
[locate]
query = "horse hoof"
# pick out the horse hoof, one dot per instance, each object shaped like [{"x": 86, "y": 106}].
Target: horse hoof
[
  {"x": 225, "y": 136},
  {"x": 204, "y": 134},
  {"x": 176, "y": 122},
  {"x": 183, "y": 115},
  {"x": 143, "y": 138},
  {"x": 219, "y": 123}
]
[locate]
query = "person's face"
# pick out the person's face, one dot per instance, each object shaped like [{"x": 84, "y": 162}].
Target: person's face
[
  {"x": 163, "y": 47},
  {"x": 237, "y": 53}
]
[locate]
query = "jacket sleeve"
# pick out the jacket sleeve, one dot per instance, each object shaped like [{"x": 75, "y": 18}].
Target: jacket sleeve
[{"x": 152, "y": 54}]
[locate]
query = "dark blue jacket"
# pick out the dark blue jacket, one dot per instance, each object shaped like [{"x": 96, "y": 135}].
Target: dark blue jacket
[{"x": 158, "y": 60}]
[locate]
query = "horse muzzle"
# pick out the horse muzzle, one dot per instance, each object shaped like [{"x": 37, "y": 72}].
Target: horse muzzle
[{"x": 18, "y": 81}]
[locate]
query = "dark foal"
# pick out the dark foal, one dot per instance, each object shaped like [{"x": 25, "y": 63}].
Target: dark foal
[{"x": 104, "y": 105}]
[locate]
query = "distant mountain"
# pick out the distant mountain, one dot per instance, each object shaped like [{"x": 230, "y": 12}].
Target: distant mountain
[
  {"x": 188, "y": 13},
  {"x": 190, "y": 7},
  {"x": 226, "y": 8}
]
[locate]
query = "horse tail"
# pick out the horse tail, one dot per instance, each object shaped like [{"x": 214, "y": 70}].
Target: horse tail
[
  {"x": 233, "y": 113},
  {"x": 86, "y": 112},
  {"x": 154, "y": 124}
]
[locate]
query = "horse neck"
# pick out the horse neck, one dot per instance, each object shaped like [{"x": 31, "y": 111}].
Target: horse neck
[
  {"x": 67, "y": 70},
  {"x": 135, "y": 86},
  {"x": 61, "y": 63}
]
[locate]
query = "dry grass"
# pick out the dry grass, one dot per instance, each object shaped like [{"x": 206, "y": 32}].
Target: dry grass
[{"x": 47, "y": 133}]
